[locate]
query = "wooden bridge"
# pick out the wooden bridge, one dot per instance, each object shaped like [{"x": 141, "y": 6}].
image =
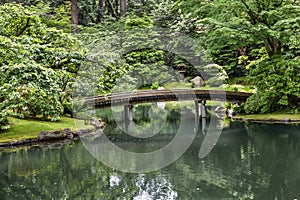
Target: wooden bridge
[
  {"x": 143, "y": 96},
  {"x": 127, "y": 99}
]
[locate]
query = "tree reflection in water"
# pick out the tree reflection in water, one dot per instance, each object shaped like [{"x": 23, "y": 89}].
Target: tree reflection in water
[{"x": 249, "y": 161}]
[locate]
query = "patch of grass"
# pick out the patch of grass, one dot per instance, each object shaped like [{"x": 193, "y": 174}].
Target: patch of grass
[
  {"x": 214, "y": 103},
  {"x": 271, "y": 116},
  {"x": 178, "y": 85},
  {"x": 28, "y": 128}
]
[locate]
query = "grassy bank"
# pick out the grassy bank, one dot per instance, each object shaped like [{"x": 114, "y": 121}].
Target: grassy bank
[
  {"x": 277, "y": 116},
  {"x": 22, "y": 129}
]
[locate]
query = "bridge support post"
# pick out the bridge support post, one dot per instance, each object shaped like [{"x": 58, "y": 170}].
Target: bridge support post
[
  {"x": 203, "y": 116},
  {"x": 128, "y": 117},
  {"x": 197, "y": 114},
  {"x": 203, "y": 125},
  {"x": 203, "y": 109},
  {"x": 197, "y": 108}
]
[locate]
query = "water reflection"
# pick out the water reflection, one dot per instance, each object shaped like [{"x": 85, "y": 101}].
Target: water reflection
[
  {"x": 249, "y": 161},
  {"x": 158, "y": 187}
]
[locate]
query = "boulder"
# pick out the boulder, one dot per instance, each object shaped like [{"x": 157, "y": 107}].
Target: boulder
[
  {"x": 198, "y": 82},
  {"x": 52, "y": 135},
  {"x": 69, "y": 133},
  {"x": 82, "y": 132},
  {"x": 97, "y": 123}
]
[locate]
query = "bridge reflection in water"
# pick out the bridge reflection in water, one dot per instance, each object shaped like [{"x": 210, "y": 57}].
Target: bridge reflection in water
[
  {"x": 200, "y": 112},
  {"x": 124, "y": 104}
]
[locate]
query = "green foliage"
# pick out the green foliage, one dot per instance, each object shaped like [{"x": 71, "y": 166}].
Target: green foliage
[
  {"x": 3, "y": 118},
  {"x": 54, "y": 14},
  {"x": 262, "y": 36},
  {"x": 29, "y": 90},
  {"x": 127, "y": 58},
  {"x": 148, "y": 67},
  {"x": 277, "y": 80},
  {"x": 161, "y": 13},
  {"x": 216, "y": 75},
  {"x": 233, "y": 31},
  {"x": 24, "y": 36},
  {"x": 139, "y": 22},
  {"x": 38, "y": 64}
]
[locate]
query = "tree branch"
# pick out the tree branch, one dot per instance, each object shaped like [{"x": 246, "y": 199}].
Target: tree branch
[
  {"x": 18, "y": 33},
  {"x": 112, "y": 9},
  {"x": 252, "y": 14},
  {"x": 277, "y": 5},
  {"x": 258, "y": 6}
]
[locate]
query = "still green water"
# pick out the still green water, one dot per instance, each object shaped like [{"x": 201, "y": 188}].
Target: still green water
[{"x": 249, "y": 161}]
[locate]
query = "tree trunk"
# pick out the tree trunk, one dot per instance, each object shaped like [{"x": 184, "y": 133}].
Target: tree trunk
[
  {"x": 122, "y": 7},
  {"x": 273, "y": 46},
  {"x": 74, "y": 19},
  {"x": 111, "y": 8},
  {"x": 101, "y": 11}
]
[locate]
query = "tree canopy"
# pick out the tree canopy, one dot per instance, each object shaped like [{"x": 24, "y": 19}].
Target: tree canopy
[
  {"x": 257, "y": 40},
  {"x": 37, "y": 63}
]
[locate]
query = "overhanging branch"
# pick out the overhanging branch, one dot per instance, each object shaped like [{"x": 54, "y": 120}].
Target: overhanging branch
[{"x": 18, "y": 33}]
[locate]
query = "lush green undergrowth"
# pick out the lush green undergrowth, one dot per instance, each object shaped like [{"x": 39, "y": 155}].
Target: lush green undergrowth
[{"x": 29, "y": 128}]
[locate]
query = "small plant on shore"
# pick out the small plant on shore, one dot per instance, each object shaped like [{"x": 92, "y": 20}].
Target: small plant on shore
[{"x": 3, "y": 120}]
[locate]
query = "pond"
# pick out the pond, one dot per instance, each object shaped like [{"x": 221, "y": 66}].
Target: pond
[{"x": 248, "y": 161}]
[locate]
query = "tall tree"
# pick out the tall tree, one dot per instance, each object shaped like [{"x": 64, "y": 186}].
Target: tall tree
[
  {"x": 101, "y": 10},
  {"x": 122, "y": 7},
  {"x": 74, "y": 17},
  {"x": 258, "y": 35}
]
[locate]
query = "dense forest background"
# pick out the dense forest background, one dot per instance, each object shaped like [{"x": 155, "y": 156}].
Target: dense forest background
[{"x": 44, "y": 44}]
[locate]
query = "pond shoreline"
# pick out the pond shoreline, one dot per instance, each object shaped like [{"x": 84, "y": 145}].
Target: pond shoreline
[
  {"x": 265, "y": 120},
  {"x": 67, "y": 135},
  {"x": 64, "y": 136}
]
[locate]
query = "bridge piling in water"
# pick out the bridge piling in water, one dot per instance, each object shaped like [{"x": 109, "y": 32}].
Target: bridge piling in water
[
  {"x": 197, "y": 108},
  {"x": 128, "y": 117},
  {"x": 203, "y": 123},
  {"x": 202, "y": 114},
  {"x": 203, "y": 109},
  {"x": 197, "y": 114}
]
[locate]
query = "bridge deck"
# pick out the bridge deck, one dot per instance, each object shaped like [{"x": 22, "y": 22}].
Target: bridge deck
[{"x": 142, "y": 96}]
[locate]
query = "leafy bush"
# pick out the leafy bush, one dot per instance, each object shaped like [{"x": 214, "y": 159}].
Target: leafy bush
[
  {"x": 139, "y": 22},
  {"x": 30, "y": 90},
  {"x": 38, "y": 64},
  {"x": 3, "y": 119},
  {"x": 216, "y": 75},
  {"x": 277, "y": 80}
]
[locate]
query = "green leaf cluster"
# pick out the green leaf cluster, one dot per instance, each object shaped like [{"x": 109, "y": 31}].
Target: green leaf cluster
[
  {"x": 30, "y": 90},
  {"x": 250, "y": 37},
  {"x": 38, "y": 65},
  {"x": 278, "y": 85}
]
